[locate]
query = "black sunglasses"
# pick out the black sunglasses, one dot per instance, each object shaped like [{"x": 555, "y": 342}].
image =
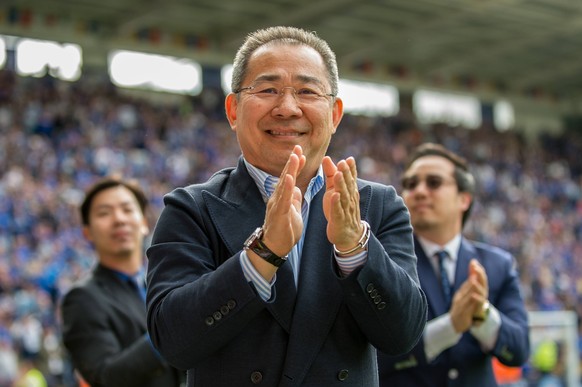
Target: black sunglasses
[{"x": 433, "y": 182}]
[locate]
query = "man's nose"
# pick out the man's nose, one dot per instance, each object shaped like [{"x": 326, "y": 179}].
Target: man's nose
[
  {"x": 287, "y": 103},
  {"x": 120, "y": 216},
  {"x": 420, "y": 187}
]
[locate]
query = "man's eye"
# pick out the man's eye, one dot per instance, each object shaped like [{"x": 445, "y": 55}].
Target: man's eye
[
  {"x": 409, "y": 183},
  {"x": 434, "y": 182},
  {"x": 268, "y": 90},
  {"x": 307, "y": 91}
]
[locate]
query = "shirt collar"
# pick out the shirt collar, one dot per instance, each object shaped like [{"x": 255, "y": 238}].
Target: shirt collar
[
  {"x": 140, "y": 275},
  {"x": 266, "y": 183},
  {"x": 451, "y": 247}
]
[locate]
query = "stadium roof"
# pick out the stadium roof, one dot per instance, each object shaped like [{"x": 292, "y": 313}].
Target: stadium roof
[{"x": 518, "y": 47}]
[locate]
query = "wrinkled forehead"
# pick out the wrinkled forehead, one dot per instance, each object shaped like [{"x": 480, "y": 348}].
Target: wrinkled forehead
[{"x": 285, "y": 62}]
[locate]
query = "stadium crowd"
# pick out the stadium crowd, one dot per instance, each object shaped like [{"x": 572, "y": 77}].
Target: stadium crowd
[{"x": 56, "y": 138}]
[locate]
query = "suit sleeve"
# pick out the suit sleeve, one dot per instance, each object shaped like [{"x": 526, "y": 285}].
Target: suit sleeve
[
  {"x": 183, "y": 266},
  {"x": 385, "y": 295},
  {"x": 512, "y": 347},
  {"x": 95, "y": 349}
]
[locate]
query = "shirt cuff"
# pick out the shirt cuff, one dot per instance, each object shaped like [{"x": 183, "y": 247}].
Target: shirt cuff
[
  {"x": 439, "y": 335},
  {"x": 488, "y": 332},
  {"x": 349, "y": 264},
  {"x": 252, "y": 276}
]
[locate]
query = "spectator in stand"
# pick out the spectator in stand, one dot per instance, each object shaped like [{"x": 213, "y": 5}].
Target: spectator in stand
[
  {"x": 104, "y": 325},
  {"x": 8, "y": 360},
  {"x": 476, "y": 310}
]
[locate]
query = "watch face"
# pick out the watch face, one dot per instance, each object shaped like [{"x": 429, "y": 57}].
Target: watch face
[
  {"x": 254, "y": 243},
  {"x": 257, "y": 234}
]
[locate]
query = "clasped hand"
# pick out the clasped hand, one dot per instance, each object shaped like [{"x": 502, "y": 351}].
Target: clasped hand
[
  {"x": 470, "y": 298},
  {"x": 283, "y": 222}
]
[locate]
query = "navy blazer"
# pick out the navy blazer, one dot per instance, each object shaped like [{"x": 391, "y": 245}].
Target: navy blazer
[
  {"x": 465, "y": 364},
  {"x": 104, "y": 330},
  {"x": 204, "y": 316}
]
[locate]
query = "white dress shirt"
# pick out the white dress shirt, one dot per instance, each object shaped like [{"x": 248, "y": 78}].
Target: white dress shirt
[{"x": 439, "y": 333}]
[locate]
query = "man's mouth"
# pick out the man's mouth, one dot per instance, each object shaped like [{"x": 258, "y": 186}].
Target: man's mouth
[{"x": 283, "y": 134}]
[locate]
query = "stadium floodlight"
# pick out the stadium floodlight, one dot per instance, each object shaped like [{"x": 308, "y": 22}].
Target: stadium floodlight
[
  {"x": 2, "y": 52},
  {"x": 226, "y": 77},
  {"x": 132, "y": 69},
  {"x": 370, "y": 99},
  {"x": 38, "y": 58},
  {"x": 454, "y": 109},
  {"x": 503, "y": 116}
]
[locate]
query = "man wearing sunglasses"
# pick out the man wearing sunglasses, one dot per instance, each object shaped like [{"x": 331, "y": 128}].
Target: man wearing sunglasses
[{"x": 476, "y": 311}]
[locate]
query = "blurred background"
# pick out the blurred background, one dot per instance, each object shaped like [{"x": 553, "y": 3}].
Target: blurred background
[{"x": 90, "y": 88}]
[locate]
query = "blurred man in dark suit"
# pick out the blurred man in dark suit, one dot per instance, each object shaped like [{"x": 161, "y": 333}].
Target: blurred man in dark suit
[
  {"x": 476, "y": 311},
  {"x": 104, "y": 317}
]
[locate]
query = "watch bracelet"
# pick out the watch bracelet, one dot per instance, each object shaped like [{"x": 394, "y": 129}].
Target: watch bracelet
[
  {"x": 485, "y": 313},
  {"x": 272, "y": 258}
]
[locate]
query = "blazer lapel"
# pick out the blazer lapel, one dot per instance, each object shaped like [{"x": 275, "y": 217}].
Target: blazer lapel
[
  {"x": 120, "y": 296},
  {"x": 236, "y": 215},
  {"x": 430, "y": 283},
  {"x": 238, "y": 211},
  {"x": 319, "y": 295},
  {"x": 466, "y": 253}
]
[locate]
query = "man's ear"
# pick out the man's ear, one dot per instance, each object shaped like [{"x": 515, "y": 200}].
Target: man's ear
[
  {"x": 87, "y": 233},
  {"x": 337, "y": 113},
  {"x": 145, "y": 230},
  {"x": 466, "y": 200},
  {"x": 230, "y": 106}
]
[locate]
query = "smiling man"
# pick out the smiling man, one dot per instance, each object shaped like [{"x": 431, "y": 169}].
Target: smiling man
[
  {"x": 104, "y": 324},
  {"x": 286, "y": 270},
  {"x": 476, "y": 311}
]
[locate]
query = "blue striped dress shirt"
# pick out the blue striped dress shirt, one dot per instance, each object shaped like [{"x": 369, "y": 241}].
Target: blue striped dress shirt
[{"x": 266, "y": 184}]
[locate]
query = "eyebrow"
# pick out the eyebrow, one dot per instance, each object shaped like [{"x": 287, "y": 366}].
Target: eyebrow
[
  {"x": 426, "y": 175},
  {"x": 104, "y": 206},
  {"x": 297, "y": 78}
]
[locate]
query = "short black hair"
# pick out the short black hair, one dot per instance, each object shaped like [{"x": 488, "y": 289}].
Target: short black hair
[
  {"x": 463, "y": 177},
  {"x": 106, "y": 183},
  {"x": 283, "y": 35}
]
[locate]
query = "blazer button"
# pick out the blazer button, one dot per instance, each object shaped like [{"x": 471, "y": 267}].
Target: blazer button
[
  {"x": 381, "y": 305},
  {"x": 256, "y": 377},
  {"x": 342, "y": 375},
  {"x": 374, "y": 293},
  {"x": 209, "y": 321},
  {"x": 453, "y": 373},
  {"x": 224, "y": 310},
  {"x": 217, "y": 316},
  {"x": 231, "y": 304},
  {"x": 370, "y": 287}
]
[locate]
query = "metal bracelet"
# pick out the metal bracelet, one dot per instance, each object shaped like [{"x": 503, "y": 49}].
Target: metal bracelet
[{"x": 361, "y": 243}]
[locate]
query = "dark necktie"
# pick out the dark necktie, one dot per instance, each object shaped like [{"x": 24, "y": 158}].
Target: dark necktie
[
  {"x": 138, "y": 284},
  {"x": 445, "y": 284}
]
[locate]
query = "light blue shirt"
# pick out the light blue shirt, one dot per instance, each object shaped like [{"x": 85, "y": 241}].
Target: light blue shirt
[{"x": 266, "y": 185}]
